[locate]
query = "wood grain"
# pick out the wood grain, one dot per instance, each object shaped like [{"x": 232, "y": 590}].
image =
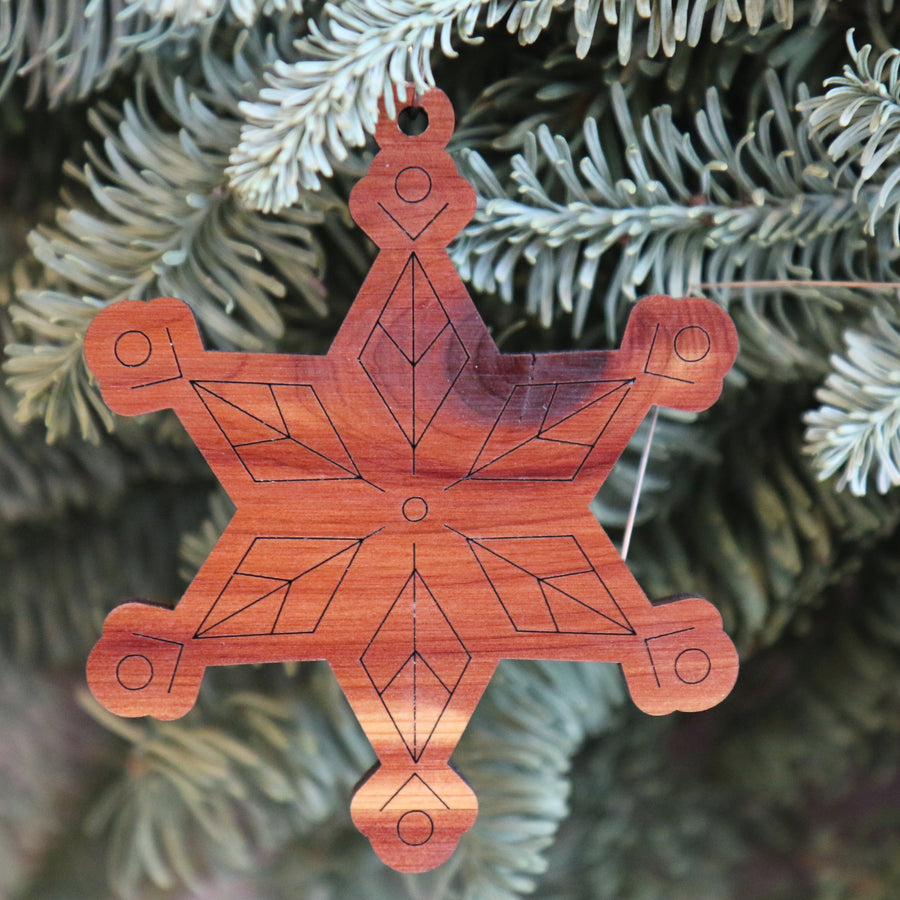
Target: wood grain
[{"x": 412, "y": 506}]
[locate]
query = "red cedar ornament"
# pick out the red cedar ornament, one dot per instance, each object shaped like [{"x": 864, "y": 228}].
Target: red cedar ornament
[{"x": 412, "y": 506}]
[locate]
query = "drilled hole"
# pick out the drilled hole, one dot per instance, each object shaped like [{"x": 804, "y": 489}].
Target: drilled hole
[{"x": 413, "y": 121}]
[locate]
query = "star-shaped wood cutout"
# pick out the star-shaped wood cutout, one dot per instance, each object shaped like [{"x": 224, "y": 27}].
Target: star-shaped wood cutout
[{"x": 412, "y": 506}]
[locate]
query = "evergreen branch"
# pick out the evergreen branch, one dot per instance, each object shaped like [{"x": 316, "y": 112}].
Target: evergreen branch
[
  {"x": 814, "y": 728},
  {"x": 67, "y": 50},
  {"x": 42, "y": 751},
  {"x": 540, "y": 715},
  {"x": 694, "y": 208},
  {"x": 42, "y": 484},
  {"x": 48, "y": 372},
  {"x": 189, "y": 12},
  {"x": 235, "y": 781},
  {"x": 673, "y": 23},
  {"x": 680, "y": 444},
  {"x": 759, "y": 535},
  {"x": 187, "y": 779},
  {"x": 327, "y": 101},
  {"x": 62, "y": 572},
  {"x": 313, "y": 109},
  {"x": 639, "y": 810},
  {"x": 192, "y": 12},
  {"x": 860, "y": 117},
  {"x": 857, "y": 426},
  {"x": 162, "y": 219}
]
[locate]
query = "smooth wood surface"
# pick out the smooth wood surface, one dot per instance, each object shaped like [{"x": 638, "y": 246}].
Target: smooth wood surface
[{"x": 412, "y": 506}]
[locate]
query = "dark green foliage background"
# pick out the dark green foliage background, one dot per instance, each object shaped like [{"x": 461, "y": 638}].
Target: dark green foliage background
[{"x": 114, "y": 183}]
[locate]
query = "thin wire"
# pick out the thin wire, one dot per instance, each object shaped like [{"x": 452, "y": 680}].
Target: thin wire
[
  {"x": 636, "y": 496},
  {"x": 776, "y": 284},
  {"x": 798, "y": 283}
]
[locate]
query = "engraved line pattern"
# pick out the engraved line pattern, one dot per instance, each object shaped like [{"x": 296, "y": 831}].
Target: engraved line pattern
[
  {"x": 546, "y": 583},
  {"x": 415, "y": 661},
  {"x": 421, "y": 231},
  {"x": 174, "y": 356},
  {"x": 281, "y": 586},
  {"x": 279, "y": 432},
  {"x": 684, "y": 358},
  {"x": 410, "y": 637},
  {"x": 546, "y": 431},
  {"x": 678, "y": 674},
  {"x": 178, "y": 644},
  {"x": 413, "y": 356},
  {"x": 414, "y": 779}
]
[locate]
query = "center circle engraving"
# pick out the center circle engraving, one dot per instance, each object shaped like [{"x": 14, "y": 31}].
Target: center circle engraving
[
  {"x": 414, "y": 509},
  {"x": 133, "y": 348},
  {"x": 415, "y": 827},
  {"x": 413, "y": 184},
  {"x": 134, "y": 672}
]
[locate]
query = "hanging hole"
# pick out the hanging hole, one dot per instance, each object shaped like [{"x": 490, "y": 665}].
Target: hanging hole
[{"x": 413, "y": 121}]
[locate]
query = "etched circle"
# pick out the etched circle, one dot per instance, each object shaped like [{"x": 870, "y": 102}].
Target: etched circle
[
  {"x": 133, "y": 348},
  {"x": 692, "y": 666},
  {"x": 692, "y": 343},
  {"x": 134, "y": 672},
  {"x": 415, "y": 827},
  {"x": 412, "y": 184},
  {"x": 414, "y": 509}
]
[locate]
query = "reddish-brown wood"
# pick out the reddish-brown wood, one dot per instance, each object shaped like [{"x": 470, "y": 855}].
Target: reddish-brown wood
[{"x": 412, "y": 506}]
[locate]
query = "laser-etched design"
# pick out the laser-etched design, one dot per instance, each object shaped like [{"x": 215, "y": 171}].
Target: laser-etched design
[
  {"x": 415, "y": 661},
  {"x": 413, "y": 505}
]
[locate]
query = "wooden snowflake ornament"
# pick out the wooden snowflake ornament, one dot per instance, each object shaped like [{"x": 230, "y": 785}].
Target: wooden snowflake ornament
[{"x": 412, "y": 506}]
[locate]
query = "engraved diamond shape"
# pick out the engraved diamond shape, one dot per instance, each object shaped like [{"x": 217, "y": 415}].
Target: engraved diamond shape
[
  {"x": 415, "y": 661},
  {"x": 413, "y": 356}
]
